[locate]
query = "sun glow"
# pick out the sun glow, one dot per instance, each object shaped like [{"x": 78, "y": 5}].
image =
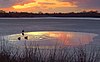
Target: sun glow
[
  {"x": 45, "y": 3},
  {"x": 25, "y": 5}
]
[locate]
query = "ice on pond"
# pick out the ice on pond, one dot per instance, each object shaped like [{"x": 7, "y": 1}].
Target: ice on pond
[{"x": 50, "y": 38}]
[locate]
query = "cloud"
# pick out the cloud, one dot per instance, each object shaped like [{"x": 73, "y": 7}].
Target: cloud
[
  {"x": 45, "y": 4},
  {"x": 79, "y": 3},
  {"x": 85, "y": 3},
  {"x": 9, "y": 3},
  {"x": 49, "y": 5},
  {"x": 28, "y": 5},
  {"x": 90, "y": 4}
]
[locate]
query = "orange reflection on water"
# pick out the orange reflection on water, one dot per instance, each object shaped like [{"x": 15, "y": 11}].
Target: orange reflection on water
[
  {"x": 72, "y": 38},
  {"x": 63, "y": 38}
]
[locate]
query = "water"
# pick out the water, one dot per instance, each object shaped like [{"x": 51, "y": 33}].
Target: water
[
  {"x": 48, "y": 39},
  {"x": 88, "y": 25}
]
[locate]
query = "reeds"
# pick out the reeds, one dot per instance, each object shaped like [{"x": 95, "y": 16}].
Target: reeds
[{"x": 10, "y": 53}]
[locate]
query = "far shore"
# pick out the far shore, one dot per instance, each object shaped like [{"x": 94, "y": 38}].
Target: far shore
[{"x": 93, "y": 18}]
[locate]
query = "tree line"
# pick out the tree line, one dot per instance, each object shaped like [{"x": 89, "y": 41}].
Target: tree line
[{"x": 40, "y": 14}]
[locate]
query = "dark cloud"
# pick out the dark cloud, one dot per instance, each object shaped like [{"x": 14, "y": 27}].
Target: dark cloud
[
  {"x": 90, "y": 4},
  {"x": 85, "y": 3},
  {"x": 9, "y": 3}
]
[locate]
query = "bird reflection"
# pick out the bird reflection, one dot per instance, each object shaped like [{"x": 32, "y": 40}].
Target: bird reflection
[
  {"x": 23, "y": 32},
  {"x": 26, "y": 37},
  {"x": 19, "y": 38}
]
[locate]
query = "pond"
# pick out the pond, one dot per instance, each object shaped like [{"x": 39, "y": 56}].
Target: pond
[{"x": 48, "y": 39}]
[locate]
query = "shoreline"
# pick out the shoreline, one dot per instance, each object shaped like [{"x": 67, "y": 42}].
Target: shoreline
[{"x": 50, "y": 18}]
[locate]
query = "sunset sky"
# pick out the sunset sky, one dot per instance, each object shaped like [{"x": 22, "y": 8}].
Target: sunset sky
[{"x": 49, "y": 5}]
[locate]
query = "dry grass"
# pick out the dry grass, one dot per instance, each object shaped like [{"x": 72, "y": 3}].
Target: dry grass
[{"x": 68, "y": 54}]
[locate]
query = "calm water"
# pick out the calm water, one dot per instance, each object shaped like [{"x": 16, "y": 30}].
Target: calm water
[
  {"x": 87, "y": 28},
  {"x": 48, "y": 39}
]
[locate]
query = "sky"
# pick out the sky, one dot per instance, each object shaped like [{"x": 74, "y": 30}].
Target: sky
[{"x": 49, "y": 5}]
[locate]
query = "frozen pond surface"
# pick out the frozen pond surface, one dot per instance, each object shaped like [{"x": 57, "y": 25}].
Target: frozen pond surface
[{"x": 86, "y": 28}]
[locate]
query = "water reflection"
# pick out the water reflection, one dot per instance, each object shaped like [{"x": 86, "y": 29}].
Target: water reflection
[{"x": 50, "y": 38}]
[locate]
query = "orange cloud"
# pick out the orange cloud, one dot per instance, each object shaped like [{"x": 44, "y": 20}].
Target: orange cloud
[
  {"x": 45, "y": 3},
  {"x": 25, "y": 5}
]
